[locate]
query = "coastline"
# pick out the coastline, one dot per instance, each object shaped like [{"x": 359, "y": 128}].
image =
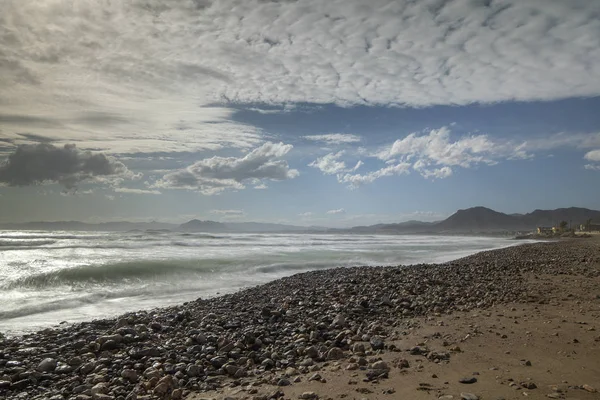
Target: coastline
[{"x": 264, "y": 339}]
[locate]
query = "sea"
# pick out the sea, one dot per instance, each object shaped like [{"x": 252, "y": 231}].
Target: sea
[{"x": 47, "y": 278}]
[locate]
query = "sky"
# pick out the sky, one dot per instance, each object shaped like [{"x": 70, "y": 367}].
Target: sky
[{"x": 309, "y": 112}]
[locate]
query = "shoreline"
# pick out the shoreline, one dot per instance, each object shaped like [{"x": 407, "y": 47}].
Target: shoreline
[
  {"x": 271, "y": 334},
  {"x": 81, "y": 311}
]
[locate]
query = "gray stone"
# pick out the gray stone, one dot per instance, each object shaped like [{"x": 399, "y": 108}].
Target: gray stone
[
  {"x": 469, "y": 396},
  {"x": 47, "y": 365}
]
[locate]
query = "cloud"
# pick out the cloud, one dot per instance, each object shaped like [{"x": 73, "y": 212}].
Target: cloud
[
  {"x": 228, "y": 213},
  {"x": 67, "y": 165},
  {"x": 356, "y": 180},
  {"x": 261, "y": 186},
  {"x": 156, "y": 82},
  {"x": 338, "y": 211},
  {"x": 329, "y": 164},
  {"x": 216, "y": 174},
  {"x": 334, "y": 138},
  {"x": 306, "y": 214},
  {"x": 135, "y": 191},
  {"x": 593, "y": 155}
]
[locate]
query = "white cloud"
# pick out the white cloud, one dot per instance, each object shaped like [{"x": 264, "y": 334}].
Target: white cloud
[
  {"x": 594, "y": 167},
  {"x": 151, "y": 85},
  {"x": 334, "y": 138},
  {"x": 329, "y": 163},
  {"x": 306, "y": 214},
  {"x": 593, "y": 155},
  {"x": 261, "y": 186},
  {"x": 356, "y": 180},
  {"x": 215, "y": 174},
  {"x": 135, "y": 191},
  {"x": 338, "y": 211}
]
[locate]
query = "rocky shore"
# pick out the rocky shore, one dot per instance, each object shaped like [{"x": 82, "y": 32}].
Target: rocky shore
[{"x": 281, "y": 334}]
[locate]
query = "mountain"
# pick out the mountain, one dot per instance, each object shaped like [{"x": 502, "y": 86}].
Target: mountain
[
  {"x": 84, "y": 226},
  {"x": 242, "y": 227},
  {"x": 196, "y": 225},
  {"x": 482, "y": 219}
]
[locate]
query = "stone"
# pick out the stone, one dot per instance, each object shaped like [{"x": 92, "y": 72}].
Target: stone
[
  {"x": 47, "y": 365},
  {"x": 193, "y": 370},
  {"x": 468, "y": 380},
  {"x": 164, "y": 385},
  {"x": 335, "y": 353},
  {"x": 87, "y": 368},
  {"x": 380, "y": 365},
  {"x": 589, "y": 388},
  {"x": 468, "y": 396},
  {"x": 130, "y": 375},
  {"x": 312, "y": 352},
  {"x": 5, "y": 384},
  {"x": 376, "y": 343},
  {"x": 283, "y": 382},
  {"x": 102, "y": 396},
  {"x": 99, "y": 388},
  {"x": 308, "y": 396},
  {"x": 176, "y": 394},
  {"x": 358, "y": 348},
  {"x": 109, "y": 345},
  {"x": 528, "y": 385}
]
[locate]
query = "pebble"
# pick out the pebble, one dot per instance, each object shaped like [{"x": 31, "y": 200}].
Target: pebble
[
  {"x": 468, "y": 380},
  {"x": 469, "y": 396},
  {"x": 47, "y": 365}
]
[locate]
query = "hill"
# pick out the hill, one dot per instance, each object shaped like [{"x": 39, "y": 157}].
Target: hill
[{"x": 485, "y": 220}]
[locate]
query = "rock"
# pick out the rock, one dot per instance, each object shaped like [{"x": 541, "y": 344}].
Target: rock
[
  {"x": 87, "y": 368},
  {"x": 312, "y": 352},
  {"x": 5, "y": 384},
  {"x": 468, "y": 380},
  {"x": 358, "y": 348},
  {"x": 176, "y": 394},
  {"x": 308, "y": 396},
  {"x": 589, "y": 388},
  {"x": 99, "y": 388},
  {"x": 376, "y": 343},
  {"x": 339, "y": 321},
  {"x": 109, "y": 345},
  {"x": 528, "y": 385},
  {"x": 419, "y": 350},
  {"x": 47, "y": 365},
  {"x": 130, "y": 375},
  {"x": 469, "y": 396},
  {"x": 446, "y": 397},
  {"x": 380, "y": 365},
  {"x": 335, "y": 354},
  {"x": 315, "y": 377},
  {"x": 193, "y": 370},
  {"x": 102, "y": 396},
  {"x": 283, "y": 382},
  {"x": 164, "y": 385}
]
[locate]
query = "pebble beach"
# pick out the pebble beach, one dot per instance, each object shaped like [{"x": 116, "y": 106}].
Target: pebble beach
[{"x": 434, "y": 331}]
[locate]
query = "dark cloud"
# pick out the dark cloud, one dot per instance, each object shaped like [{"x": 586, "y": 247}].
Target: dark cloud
[
  {"x": 17, "y": 119},
  {"x": 101, "y": 118},
  {"x": 46, "y": 163}
]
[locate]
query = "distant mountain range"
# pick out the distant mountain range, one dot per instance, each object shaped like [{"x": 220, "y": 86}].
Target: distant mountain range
[
  {"x": 471, "y": 220},
  {"x": 485, "y": 220}
]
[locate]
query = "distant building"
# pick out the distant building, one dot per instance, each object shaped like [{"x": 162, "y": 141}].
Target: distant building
[
  {"x": 593, "y": 227},
  {"x": 542, "y": 230}
]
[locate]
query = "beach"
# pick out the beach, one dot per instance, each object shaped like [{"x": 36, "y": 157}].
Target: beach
[{"x": 522, "y": 321}]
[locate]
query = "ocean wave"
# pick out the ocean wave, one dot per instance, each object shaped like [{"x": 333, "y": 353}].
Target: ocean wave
[
  {"x": 118, "y": 272},
  {"x": 25, "y": 243}
]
